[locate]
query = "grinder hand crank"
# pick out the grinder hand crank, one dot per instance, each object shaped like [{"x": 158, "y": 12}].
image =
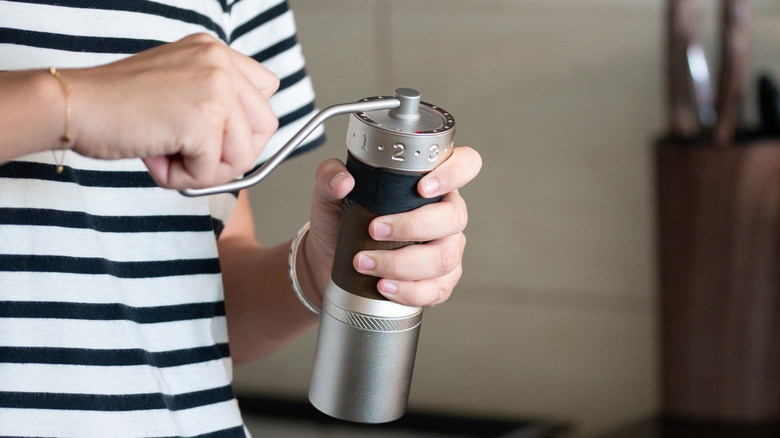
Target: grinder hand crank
[{"x": 366, "y": 344}]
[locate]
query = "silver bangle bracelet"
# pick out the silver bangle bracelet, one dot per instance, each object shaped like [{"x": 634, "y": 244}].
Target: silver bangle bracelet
[{"x": 296, "y": 287}]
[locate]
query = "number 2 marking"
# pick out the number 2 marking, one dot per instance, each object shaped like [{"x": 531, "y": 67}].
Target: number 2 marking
[{"x": 399, "y": 155}]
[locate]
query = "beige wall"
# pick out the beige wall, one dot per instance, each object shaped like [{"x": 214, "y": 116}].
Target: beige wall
[{"x": 556, "y": 314}]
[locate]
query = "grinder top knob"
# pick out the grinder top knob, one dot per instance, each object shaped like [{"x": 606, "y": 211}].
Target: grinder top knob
[
  {"x": 414, "y": 137},
  {"x": 409, "y": 109}
]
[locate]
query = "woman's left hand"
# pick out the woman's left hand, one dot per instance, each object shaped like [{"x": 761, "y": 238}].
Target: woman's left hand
[{"x": 415, "y": 275}]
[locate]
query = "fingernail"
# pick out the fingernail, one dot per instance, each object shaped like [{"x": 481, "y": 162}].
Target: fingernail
[
  {"x": 430, "y": 186},
  {"x": 382, "y": 230},
  {"x": 366, "y": 263},
  {"x": 389, "y": 288},
  {"x": 336, "y": 180}
]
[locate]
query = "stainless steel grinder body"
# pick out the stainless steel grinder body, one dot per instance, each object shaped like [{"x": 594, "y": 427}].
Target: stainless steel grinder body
[{"x": 366, "y": 344}]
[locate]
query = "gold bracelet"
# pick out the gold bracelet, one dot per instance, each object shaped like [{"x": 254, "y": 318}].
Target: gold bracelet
[
  {"x": 65, "y": 138},
  {"x": 296, "y": 287}
]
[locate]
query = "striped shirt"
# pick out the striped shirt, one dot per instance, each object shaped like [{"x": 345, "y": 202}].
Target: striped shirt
[{"x": 112, "y": 315}]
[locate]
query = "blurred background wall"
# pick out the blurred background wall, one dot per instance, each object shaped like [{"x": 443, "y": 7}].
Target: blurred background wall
[{"x": 556, "y": 314}]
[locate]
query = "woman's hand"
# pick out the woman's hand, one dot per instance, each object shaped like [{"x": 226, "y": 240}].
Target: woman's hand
[
  {"x": 415, "y": 275},
  {"x": 195, "y": 111}
]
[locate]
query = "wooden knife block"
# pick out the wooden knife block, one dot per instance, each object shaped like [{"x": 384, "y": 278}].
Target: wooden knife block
[{"x": 719, "y": 248}]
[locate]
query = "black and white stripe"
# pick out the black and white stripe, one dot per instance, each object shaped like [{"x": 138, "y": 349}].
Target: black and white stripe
[{"x": 112, "y": 317}]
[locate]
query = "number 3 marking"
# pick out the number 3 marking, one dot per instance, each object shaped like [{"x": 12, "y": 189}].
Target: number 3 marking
[{"x": 434, "y": 155}]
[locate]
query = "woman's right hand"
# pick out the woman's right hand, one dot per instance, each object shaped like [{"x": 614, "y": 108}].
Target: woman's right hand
[{"x": 195, "y": 111}]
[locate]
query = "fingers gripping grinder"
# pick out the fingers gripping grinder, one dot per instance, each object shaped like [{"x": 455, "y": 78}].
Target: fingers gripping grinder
[{"x": 367, "y": 344}]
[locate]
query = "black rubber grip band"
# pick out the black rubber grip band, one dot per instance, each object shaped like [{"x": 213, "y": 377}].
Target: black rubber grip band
[{"x": 384, "y": 192}]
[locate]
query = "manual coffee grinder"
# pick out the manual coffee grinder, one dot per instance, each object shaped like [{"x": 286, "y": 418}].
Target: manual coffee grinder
[{"x": 366, "y": 344}]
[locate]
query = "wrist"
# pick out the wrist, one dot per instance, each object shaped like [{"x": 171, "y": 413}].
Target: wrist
[
  {"x": 34, "y": 108},
  {"x": 65, "y": 140}
]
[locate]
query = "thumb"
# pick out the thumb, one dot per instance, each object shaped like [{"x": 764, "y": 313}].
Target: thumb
[{"x": 332, "y": 183}]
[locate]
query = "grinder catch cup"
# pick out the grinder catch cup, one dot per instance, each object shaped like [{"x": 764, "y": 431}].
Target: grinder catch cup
[{"x": 366, "y": 344}]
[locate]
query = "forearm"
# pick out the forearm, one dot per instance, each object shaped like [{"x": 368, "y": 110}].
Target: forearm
[
  {"x": 263, "y": 312},
  {"x": 32, "y": 105}
]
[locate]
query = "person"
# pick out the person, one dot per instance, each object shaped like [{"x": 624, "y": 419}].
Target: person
[{"x": 117, "y": 293}]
